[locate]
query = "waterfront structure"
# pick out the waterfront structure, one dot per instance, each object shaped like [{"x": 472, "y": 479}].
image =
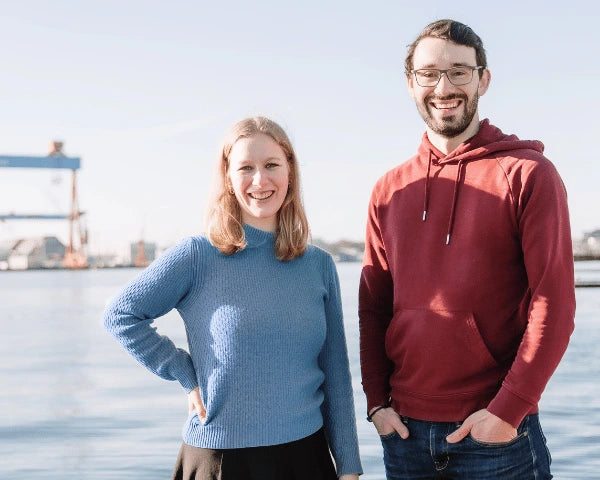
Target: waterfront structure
[
  {"x": 342, "y": 250},
  {"x": 75, "y": 256},
  {"x": 592, "y": 241},
  {"x": 142, "y": 253},
  {"x": 31, "y": 253},
  {"x": 587, "y": 247}
]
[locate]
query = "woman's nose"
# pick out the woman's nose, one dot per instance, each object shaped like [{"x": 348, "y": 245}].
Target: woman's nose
[{"x": 257, "y": 177}]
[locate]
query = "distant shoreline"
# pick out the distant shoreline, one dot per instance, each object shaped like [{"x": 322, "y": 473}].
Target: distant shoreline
[
  {"x": 577, "y": 258},
  {"x": 579, "y": 282},
  {"x": 585, "y": 258}
]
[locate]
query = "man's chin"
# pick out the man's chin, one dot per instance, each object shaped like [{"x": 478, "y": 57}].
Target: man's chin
[
  {"x": 449, "y": 133},
  {"x": 447, "y": 129}
]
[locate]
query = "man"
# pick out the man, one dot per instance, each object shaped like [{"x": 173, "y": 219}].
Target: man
[{"x": 467, "y": 291}]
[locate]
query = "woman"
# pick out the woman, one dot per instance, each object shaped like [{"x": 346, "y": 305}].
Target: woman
[{"x": 267, "y": 372}]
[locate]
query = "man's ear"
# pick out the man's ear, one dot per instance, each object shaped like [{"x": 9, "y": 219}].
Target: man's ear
[
  {"x": 484, "y": 82},
  {"x": 410, "y": 83}
]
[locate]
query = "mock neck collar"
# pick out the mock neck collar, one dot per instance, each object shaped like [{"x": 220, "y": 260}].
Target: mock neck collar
[{"x": 256, "y": 237}]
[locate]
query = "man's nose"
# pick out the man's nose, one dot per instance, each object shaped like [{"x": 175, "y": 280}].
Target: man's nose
[{"x": 444, "y": 85}]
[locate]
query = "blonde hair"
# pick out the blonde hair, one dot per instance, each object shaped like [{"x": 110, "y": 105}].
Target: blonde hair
[{"x": 224, "y": 215}]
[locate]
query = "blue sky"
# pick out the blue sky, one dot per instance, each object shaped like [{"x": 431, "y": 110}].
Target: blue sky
[{"x": 143, "y": 92}]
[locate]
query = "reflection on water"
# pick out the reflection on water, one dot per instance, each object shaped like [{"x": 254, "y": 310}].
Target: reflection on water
[{"x": 75, "y": 406}]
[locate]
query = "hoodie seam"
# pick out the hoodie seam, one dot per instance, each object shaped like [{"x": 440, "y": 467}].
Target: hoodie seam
[{"x": 510, "y": 190}]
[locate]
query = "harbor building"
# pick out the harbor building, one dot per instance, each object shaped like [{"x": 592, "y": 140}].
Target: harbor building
[{"x": 30, "y": 253}]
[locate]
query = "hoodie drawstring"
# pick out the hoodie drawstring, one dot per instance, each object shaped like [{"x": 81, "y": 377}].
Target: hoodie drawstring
[
  {"x": 454, "y": 199},
  {"x": 454, "y": 195},
  {"x": 426, "y": 199}
]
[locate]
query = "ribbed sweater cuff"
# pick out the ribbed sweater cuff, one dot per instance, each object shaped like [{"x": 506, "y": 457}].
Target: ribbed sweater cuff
[
  {"x": 187, "y": 376},
  {"x": 510, "y": 408},
  {"x": 349, "y": 466},
  {"x": 188, "y": 386}
]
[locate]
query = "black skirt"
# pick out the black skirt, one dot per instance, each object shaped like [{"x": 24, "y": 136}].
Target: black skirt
[{"x": 304, "y": 459}]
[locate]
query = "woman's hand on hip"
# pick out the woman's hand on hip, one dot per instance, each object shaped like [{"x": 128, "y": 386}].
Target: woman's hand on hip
[{"x": 195, "y": 403}]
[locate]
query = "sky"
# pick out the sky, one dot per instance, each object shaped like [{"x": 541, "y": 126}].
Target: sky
[{"x": 144, "y": 91}]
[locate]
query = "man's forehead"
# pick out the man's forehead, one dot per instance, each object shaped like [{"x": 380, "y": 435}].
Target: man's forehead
[{"x": 440, "y": 53}]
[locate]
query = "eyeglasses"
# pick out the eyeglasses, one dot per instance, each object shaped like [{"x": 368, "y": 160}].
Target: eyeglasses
[{"x": 430, "y": 77}]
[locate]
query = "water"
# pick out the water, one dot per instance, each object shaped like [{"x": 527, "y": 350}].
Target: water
[{"x": 75, "y": 406}]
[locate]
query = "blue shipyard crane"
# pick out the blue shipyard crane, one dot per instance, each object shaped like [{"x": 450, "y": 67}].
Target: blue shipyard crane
[{"x": 75, "y": 256}]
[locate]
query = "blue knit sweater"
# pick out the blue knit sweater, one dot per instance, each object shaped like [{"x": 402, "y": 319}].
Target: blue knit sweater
[{"x": 265, "y": 337}]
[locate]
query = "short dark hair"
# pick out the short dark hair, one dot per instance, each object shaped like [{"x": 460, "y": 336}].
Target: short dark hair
[{"x": 453, "y": 31}]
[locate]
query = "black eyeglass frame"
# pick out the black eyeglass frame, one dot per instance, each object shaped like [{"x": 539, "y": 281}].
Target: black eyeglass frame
[{"x": 442, "y": 72}]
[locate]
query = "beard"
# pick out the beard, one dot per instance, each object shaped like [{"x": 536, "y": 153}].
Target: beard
[{"x": 451, "y": 125}]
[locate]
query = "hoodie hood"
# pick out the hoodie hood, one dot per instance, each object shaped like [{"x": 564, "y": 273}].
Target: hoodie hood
[{"x": 488, "y": 140}]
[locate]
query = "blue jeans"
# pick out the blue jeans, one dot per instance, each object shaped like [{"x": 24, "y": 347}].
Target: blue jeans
[{"x": 426, "y": 454}]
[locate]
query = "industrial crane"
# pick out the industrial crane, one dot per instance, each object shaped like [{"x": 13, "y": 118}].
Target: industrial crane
[{"x": 75, "y": 256}]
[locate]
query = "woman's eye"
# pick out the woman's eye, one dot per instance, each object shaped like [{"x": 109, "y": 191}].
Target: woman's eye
[{"x": 272, "y": 165}]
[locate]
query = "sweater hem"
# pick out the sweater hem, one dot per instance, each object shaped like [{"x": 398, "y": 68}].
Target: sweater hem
[{"x": 223, "y": 437}]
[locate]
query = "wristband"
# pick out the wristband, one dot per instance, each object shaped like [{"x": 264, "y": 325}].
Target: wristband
[{"x": 370, "y": 416}]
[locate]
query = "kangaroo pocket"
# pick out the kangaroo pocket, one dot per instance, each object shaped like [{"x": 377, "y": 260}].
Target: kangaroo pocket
[{"x": 439, "y": 353}]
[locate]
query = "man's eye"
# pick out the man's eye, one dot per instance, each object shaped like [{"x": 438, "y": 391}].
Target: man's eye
[
  {"x": 458, "y": 74},
  {"x": 427, "y": 74}
]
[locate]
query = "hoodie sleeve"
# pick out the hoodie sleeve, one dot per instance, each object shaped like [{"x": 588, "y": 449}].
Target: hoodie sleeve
[
  {"x": 375, "y": 310},
  {"x": 155, "y": 292},
  {"x": 548, "y": 256}
]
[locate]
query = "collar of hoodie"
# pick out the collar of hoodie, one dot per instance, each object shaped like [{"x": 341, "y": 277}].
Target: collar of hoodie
[{"x": 488, "y": 140}]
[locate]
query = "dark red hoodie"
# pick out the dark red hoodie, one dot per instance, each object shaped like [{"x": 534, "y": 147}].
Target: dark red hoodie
[{"x": 467, "y": 290}]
